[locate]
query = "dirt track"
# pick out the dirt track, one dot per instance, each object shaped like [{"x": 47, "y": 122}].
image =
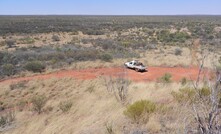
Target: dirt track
[{"x": 152, "y": 75}]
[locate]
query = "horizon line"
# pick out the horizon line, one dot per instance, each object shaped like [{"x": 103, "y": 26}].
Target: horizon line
[{"x": 110, "y": 15}]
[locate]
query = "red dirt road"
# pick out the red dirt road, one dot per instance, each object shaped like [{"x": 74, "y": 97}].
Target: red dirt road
[{"x": 152, "y": 75}]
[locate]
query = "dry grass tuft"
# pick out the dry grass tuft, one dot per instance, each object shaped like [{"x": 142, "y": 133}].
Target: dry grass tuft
[{"x": 154, "y": 125}]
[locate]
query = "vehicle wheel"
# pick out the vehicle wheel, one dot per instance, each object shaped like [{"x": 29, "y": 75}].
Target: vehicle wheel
[
  {"x": 136, "y": 69},
  {"x": 125, "y": 66}
]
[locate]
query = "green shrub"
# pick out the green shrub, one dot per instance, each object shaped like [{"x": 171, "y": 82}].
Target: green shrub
[
  {"x": 8, "y": 69},
  {"x": 187, "y": 94},
  {"x": 34, "y": 66},
  {"x": 65, "y": 106},
  {"x": 205, "y": 91},
  {"x": 166, "y": 36},
  {"x": 106, "y": 57},
  {"x": 184, "y": 81},
  {"x": 166, "y": 78},
  {"x": 163, "y": 36},
  {"x": 140, "y": 109},
  {"x": 38, "y": 103}
]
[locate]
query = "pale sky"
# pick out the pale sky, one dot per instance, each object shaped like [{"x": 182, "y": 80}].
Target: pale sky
[{"x": 110, "y": 7}]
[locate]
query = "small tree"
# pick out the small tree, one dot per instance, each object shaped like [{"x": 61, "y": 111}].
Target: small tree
[
  {"x": 38, "y": 103},
  {"x": 118, "y": 86},
  {"x": 205, "y": 108}
]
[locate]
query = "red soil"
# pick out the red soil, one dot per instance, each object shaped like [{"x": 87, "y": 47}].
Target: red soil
[{"x": 152, "y": 75}]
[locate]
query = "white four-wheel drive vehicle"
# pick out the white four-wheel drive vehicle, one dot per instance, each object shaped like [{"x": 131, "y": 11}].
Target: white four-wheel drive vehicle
[{"x": 136, "y": 65}]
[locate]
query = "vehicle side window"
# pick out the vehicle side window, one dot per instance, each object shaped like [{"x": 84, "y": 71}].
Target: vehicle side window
[{"x": 130, "y": 62}]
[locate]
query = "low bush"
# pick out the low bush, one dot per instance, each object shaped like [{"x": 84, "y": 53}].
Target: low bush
[
  {"x": 187, "y": 94},
  {"x": 106, "y": 57},
  {"x": 184, "y": 81},
  {"x": 8, "y": 69},
  {"x": 7, "y": 119},
  {"x": 93, "y": 32},
  {"x": 204, "y": 91},
  {"x": 166, "y": 78},
  {"x": 35, "y": 59},
  {"x": 34, "y": 66},
  {"x": 166, "y": 36},
  {"x": 65, "y": 106},
  {"x": 10, "y": 43},
  {"x": 55, "y": 38},
  {"x": 139, "y": 109},
  {"x": 178, "y": 51},
  {"x": 38, "y": 103},
  {"x": 2, "y": 43}
]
